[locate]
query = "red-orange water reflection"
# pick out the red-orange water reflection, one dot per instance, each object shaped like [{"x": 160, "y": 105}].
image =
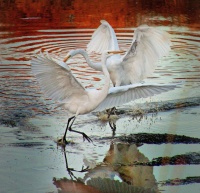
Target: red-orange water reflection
[{"x": 81, "y": 13}]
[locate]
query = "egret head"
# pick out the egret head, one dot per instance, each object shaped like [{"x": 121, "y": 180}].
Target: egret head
[{"x": 72, "y": 53}]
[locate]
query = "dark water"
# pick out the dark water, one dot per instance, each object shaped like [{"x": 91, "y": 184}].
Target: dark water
[{"x": 29, "y": 123}]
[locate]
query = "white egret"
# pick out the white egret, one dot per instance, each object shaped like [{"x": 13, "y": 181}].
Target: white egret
[
  {"x": 148, "y": 45},
  {"x": 58, "y": 83}
]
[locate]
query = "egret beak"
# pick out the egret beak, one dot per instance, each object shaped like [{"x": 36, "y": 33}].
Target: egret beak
[
  {"x": 116, "y": 52},
  {"x": 66, "y": 58}
]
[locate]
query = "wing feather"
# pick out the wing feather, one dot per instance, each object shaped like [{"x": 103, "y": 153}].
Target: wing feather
[
  {"x": 103, "y": 38},
  {"x": 148, "y": 46},
  {"x": 55, "y": 78},
  {"x": 123, "y": 94}
]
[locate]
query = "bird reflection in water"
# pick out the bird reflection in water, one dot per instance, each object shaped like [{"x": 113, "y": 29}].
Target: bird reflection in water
[
  {"x": 116, "y": 174},
  {"x": 71, "y": 170},
  {"x": 122, "y": 157}
]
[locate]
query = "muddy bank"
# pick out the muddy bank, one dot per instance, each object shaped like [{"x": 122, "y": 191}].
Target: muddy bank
[
  {"x": 155, "y": 138},
  {"x": 19, "y": 117},
  {"x": 178, "y": 181},
  {"x": 148, "y": 138},
  {"x": 189, "y": 158},
  {"x": 154, "y": 107}
]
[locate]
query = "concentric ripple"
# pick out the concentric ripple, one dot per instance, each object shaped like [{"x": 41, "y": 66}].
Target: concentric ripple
[
  {"x": 20, "y": 97},
  {"x": 19, "y": 89}
]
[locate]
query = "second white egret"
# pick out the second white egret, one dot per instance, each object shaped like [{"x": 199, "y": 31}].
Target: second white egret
[{"x": 148, "y": 45}]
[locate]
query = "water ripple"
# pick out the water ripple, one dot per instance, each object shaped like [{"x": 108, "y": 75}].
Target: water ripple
[{"x": 18, "y": 83}]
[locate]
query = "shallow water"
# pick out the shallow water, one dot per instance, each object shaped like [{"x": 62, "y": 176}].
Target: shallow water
[{"x": 30, "y": 159}]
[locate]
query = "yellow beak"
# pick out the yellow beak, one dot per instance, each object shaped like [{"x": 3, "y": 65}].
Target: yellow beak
[
  {"x": 116, "y": 52},
  {"x": 66, "y": 58}
]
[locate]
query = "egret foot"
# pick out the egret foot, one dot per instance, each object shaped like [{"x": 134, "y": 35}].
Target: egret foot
[
  {"x": 85, "y": 137},
  {"x": 63, "y": 142}
]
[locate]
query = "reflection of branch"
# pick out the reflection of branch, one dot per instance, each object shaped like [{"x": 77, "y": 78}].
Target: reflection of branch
[{"x": 71, "y": 170}]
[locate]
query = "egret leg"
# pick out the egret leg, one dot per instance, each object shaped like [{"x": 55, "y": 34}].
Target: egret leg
[
  {"x": 69, "y": 120},
  {"x": 111, "y": 123},
  {"x": 111, "y": 111},
  {"x": 82, "y": 133},
  {"x": 63, "y": 141},
  {"x": 113, "y": 127}
]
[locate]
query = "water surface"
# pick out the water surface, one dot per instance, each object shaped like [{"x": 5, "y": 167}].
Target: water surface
[{"x": 30, "y": 159}]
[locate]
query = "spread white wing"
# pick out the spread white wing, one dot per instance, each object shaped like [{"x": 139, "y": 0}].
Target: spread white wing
[
  {"x": 149, "y": 44},
  {"x": 123, "y": 94},
  {"x": 103, "y": 38},
  {"x": 55, "y": 78}
]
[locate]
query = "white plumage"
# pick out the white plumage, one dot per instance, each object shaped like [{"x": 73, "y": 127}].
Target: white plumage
[
  {"x": 58, "y": 83},
  {"x": 124, "y": 94},
  {"x": 148, "y": 46}
]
